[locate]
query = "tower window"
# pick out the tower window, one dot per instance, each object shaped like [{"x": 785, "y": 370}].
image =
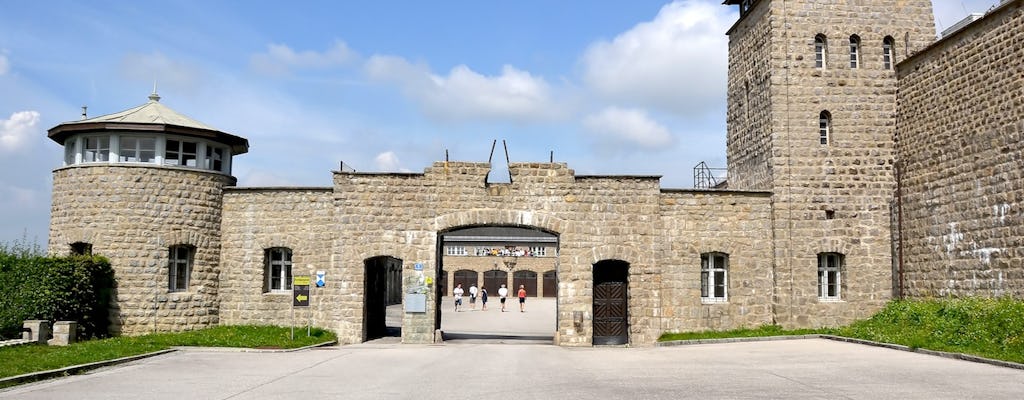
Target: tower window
[
  {"x": 854, "y": 51},
  {"x": 96, "y": 149},
  {"x": 824, "y": 127},
  {"x": 820, "y": 51},
  {"x": 179, "y": 267},
  {"x": 81, "y": 249},
  {"x": 830, "y": 276},
  {"x": 138, "y": 149},
  {"x": 888, "y": 45}
]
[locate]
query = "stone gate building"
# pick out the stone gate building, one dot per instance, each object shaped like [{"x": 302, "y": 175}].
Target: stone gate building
[{"x": 826, "y": 138}]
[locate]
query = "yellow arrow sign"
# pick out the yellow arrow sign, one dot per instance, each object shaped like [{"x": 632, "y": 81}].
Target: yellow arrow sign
[{"x": 301, "y": 298}]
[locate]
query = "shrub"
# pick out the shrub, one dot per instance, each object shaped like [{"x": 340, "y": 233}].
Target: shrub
[{"x": 75, "y": 288}]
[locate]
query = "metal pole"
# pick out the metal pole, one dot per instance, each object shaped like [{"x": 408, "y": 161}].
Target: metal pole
[{"x": 293, "y": 322}]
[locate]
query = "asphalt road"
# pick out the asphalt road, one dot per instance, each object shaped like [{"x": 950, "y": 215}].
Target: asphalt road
[{"x": 791, "y": 369}]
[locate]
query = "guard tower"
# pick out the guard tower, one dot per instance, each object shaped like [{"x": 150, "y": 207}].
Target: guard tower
[
  {"x": 143, "y": 187},
  {"x": 811, "y": 118}
]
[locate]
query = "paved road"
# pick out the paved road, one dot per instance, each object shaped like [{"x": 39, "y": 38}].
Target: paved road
[{"x": 794, "y": 369}]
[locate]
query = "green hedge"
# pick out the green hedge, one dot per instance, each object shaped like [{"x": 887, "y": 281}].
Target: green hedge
[{"x": 75, "y": 288}]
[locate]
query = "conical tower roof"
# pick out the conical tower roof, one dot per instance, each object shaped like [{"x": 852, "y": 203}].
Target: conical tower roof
[{"x": 152, "y": 116}]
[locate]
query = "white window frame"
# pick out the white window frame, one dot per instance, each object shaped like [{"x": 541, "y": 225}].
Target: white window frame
[
  {"x": 455, "y": 250},
  {"x": 830, "y": 276},
  {"x": 137, "y": 150},
  {"x": 281, "y": 279},
  {"x": 181, "y": 158},
  {"x": 179, "y": 267},
  {"x": 714, "y": 276},
  {"x": 824, "y": 127},
  {"x": 538, "y": 251},
  {"x": 820, "y": 52},
  {"x": 888, "y": 47},
  {"x": 97, "y": 153},
  {"x": 854, "y": 52}
]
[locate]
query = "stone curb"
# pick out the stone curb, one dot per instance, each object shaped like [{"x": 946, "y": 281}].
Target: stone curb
[
  {"x": 251, "y": 350},
  {"x": 955, "y": 356},
  {"x": 74, "y": 369}
]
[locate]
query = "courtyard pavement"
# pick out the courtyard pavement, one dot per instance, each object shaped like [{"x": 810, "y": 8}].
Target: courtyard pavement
[{"x": 521, "y": 368}]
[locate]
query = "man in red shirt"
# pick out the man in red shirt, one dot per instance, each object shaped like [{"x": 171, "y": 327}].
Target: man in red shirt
[{"x": 522, "y": 297}]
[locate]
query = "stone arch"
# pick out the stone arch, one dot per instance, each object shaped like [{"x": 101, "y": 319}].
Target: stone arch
[
  {"x": 478, "y": 217},
  {"x": 191, "y": 237},
  {"x": 831, "y": 245},
  {"x": 614, "y": 252},
  {"x": 71, "y": 236}
]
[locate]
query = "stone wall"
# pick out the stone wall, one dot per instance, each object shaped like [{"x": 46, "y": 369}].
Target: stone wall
[
  {"x": 748, "y": 115},
  {"x": 735, "y": 223},
  {"x": 597, "y": 218},
  {"x": 959, "y": 144},
  {"x": 826, "y": 197},
  {"x": 131, "y": 215},
  {"x": 300, "y": 219}
]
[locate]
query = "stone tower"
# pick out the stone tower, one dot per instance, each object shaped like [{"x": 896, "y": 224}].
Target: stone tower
[
  {"x": 811, "y": 118},
  {"x": 144, "y": 188}
]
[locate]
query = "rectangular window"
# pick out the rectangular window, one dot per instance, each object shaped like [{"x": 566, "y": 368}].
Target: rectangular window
[
  {"x": 830, "y": 271},
  {"x": 538, "y": 251},
  {"x": 824, "y": 125},
  {"x": 179, "y": 267},
  {"x": 138, "y": 149},
  {"x": 854, "y": 53},
  {"x": 277, "y": 269},
  {"x": 455, "y": 250},
  {"x": 714, "y": 277},
  {"x": 180, "y": 153},
  {"x": 96, "y": 149},
  {"x": 214, "y": 158},
  {"x": 887, "y": 54}
]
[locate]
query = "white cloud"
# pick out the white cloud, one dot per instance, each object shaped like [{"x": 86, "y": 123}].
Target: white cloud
[
  {"x": 280, "y": 58},
  {"x": 464, "y": 94},
  {"x": 677, "y": 62},
  {"x": 158, "y": 68},
  {"x": 4, "y": 64},
  {"x": 625, "y": 129},
  {"x": 387, "y": 161},
  {"x": 16, "y": 132}
]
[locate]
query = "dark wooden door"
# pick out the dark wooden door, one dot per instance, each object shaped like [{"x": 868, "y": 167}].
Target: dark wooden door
[
  {"x": 493, "y": 280},
  {"x": 527, "y": 279},
  {"x": 550, "y": 284},
  {"x": 610, "y": 314}
]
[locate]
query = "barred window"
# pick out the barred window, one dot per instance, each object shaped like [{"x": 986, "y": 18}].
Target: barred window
[{"x": 179, "y": 267}]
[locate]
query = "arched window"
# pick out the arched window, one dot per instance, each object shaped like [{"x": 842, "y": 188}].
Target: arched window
[
  {"x": 854, "y": 51},
  {"x": 888, "y": 51},
  {"x": 277, "y": 269},
  {"x": 830, "y": 276},
  {"x": 179, "y": 267},
  {"x": 824, "y": 127},
  {"x": 820, "y": 51},
  {"x": 714, "y": 271}
]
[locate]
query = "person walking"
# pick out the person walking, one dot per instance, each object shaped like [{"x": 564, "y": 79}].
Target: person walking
[
  {"x": 472, "y": 296},
  {"x": 502, "y": 294},
  {"x": 522, "y": 298},
  {"x": 458, "y": 296},
  {"x": 483, "y": 298}
]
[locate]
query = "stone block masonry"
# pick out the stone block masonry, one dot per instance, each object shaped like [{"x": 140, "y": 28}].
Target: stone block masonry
[{"x": 959, "y": 144}]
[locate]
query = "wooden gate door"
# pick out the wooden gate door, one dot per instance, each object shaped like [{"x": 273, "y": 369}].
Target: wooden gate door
[{"x": 610, "y": 323}]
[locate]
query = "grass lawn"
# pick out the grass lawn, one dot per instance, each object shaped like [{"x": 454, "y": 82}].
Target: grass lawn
[
  {"x": 17, "y": 360},
  {"x": 990, "y": 328}
]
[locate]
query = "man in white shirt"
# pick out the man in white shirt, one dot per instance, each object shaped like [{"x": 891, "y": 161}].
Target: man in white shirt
[
  {"x": 458, "y": 296},
  {"x": 502, "y": 294},
  {"x": 472, "y": 296}
]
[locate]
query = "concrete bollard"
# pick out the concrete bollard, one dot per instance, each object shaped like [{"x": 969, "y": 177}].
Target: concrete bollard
[
  {"x": 64, "y": 333},
  {"x": 36, "y": 330}
]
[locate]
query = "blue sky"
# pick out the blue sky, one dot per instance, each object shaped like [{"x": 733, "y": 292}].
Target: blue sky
[{"x": 611, "y": 87}]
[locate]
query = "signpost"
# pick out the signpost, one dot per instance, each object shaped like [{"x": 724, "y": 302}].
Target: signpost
[{"x": 300, "y": 297}]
